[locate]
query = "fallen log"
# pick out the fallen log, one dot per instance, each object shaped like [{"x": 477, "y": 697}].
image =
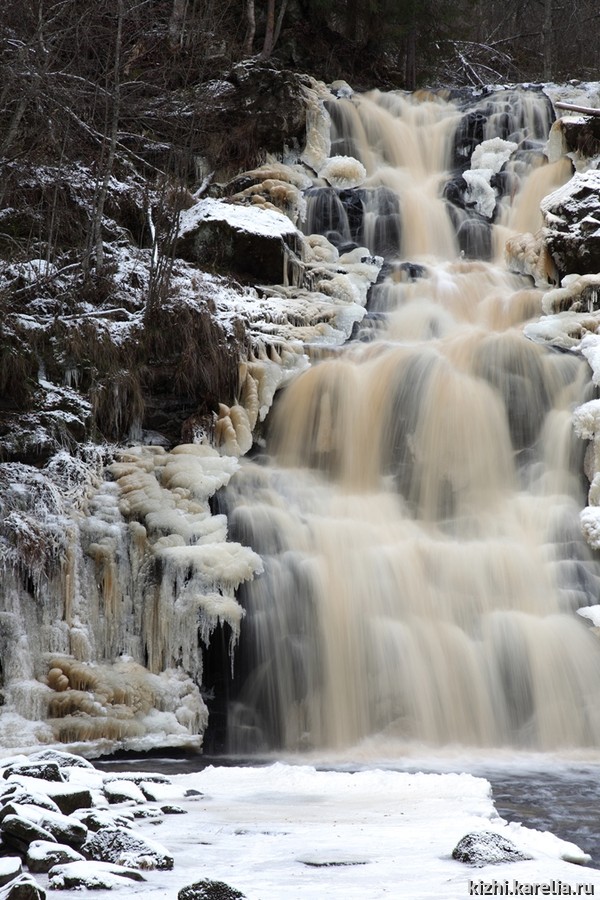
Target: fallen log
[{"x": 572, "y": 107}]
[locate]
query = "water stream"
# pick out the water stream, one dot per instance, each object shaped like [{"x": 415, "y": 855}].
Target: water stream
[{"x": 417, "y": 508}]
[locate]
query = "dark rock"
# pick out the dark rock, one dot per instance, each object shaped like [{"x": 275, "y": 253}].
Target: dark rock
[
  {"x": 170, "y": 810},
  {"x": 42, "y": 856},
  {"x": 124, "y": 848},
  {"x": 47, "y": 771},
  {"x": 209, "y": 890},
  {"x": 70, "y": 799},
  {"x": 63, "y": 829},
  {"x": 24, "y": 888},
  {"x": 19, "y": 832},
  {"x": 253, "y": 109},
  {"x": 480, "y": 848},
  {"x": 572, "y": 225},
  {"x": 581, "y": 135},
  {"x": 231, "y": 238},
  {"x": 193, "y": 793}
]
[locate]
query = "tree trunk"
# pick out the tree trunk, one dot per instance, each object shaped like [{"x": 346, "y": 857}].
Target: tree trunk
[
  {"x": 548, "y": 40},
  {"x": 282, "y": 10},
  {"x": 176, "y": 22},
  {"x": 250, "y": 28},
  {"x": 270, "y": 31},
  {"x": 112, "y": 146}
]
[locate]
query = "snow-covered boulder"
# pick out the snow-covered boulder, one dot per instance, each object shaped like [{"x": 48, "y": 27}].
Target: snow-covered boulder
[
  {"x": 572, "y": 224},
  {"x": 97, "y": 819},
  {"x": 47, "y": 771},
  {"x": 93, "y": 876},
  {"x": 18, "y": 832},
  {"x": 248, "y": 241},
  {"x": 25, "y": 887},
  {"x": 124, "y": 848},
  {"x": 480, "y": 848},
  {"x": 43, "y": 855},
  {"x": 68, "y": 760},
  {"x": 209, "y": 890},
  {"x": 122, "y": 791},
  {"x": 62, "y": 828}
]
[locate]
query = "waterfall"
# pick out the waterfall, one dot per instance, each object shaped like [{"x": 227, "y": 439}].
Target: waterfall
[{"x": 417, "y": 509}]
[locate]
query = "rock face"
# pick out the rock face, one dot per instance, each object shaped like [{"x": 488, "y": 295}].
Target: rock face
[
  {"x": 572, "y": 225},
  {"x": 480, "y": 848},
  {"x": 253, "y": 108}
]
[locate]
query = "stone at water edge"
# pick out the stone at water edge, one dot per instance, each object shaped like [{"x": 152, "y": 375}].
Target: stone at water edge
[
  {"x": 209, "y": 890},
  {"x": 480, "y": 848}
]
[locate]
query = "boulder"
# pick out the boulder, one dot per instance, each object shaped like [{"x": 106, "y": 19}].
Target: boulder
[
  {"x": 70, "y": 760},
  {"x": 18, "y": 832},
  {"x": 23, "y": 888},
  {"x": 209, "y": 890},
  {"x": 480, "y": 848},
  {"x": 121, "y": 791},
  {"x": 43, "y": 855},
  {"x": 69, "y": 799},
  {"x": 47, "y": 771},
  {"x": 62, "y": 828},
  {"x": 124, "y": 848},
  {"x": 252, "y": 110},
  {"x": 15, "y": 793},
  {"x": 93, "y": 876},
  {"x": 96, "y": 819},
  {"x": 572, "y": 225},
  {"x": 246, "y": 241}
]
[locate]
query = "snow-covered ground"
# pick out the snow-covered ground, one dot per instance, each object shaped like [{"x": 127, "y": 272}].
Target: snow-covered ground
[{"x": 291, "y": 832}]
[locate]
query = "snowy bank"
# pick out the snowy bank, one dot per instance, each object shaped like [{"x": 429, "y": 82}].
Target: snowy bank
[{"x": 297, "y": 833}]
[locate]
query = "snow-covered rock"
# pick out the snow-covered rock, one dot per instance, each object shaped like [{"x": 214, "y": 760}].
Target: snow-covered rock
[
  {"x": 92, "y": 876},
  {"x": 43, "y": 855},
  {"x": 479, "y": 848},
  {"x": 572, "y": 224},
  {"x": 209, "y": 890},
  {"x": 127, "y": 849}
]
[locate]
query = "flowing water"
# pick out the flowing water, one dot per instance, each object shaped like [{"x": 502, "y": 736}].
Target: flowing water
[{"x": 418, "y": 509}]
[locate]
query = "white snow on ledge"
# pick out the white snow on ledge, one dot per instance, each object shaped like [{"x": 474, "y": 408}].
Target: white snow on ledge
[{"x": 251, "y": 219}]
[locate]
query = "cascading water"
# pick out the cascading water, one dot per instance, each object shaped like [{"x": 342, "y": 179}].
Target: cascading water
[{"x": 418, "y": 514}]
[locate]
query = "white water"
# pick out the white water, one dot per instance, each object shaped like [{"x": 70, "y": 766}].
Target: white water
[{"x": 419, "y": 515}]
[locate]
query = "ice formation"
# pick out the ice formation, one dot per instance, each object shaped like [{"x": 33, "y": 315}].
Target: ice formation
[{"x": 129, "y": 591}]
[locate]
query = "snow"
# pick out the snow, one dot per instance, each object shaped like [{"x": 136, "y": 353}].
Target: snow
[
  {"x": 492, "y": 154},
  {"x": 592, "y": 613},
  {"x": 251, "y": 219},
  {"x": 343, "y": 172},
  {"x": 294, "y": 832}
]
